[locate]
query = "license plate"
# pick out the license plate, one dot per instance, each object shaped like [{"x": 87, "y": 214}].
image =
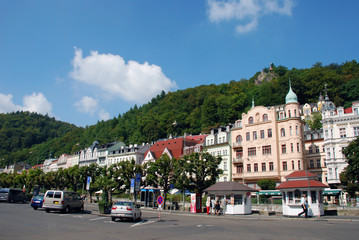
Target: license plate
[
  {"x": 56, "y": 202},
  {"x": 37, "y": 201}
]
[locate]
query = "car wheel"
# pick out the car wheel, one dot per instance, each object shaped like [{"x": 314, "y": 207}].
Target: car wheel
[
  {"x": 113, "y": 219},
  {"x": 82, "y": 208},
  {"x": 35, "y": 208},
  {"x": 134, "y": 218},
  {"x": 66, "y": 210},
  {"x": 47, "y": 210}
]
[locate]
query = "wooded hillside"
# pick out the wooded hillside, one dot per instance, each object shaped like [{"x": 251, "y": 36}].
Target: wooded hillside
[{"x": 196, "y": 110}]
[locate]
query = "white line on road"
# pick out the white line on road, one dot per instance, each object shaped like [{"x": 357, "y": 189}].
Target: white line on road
[
  {"x": 94, "y": 219},
  {"x": 142, "y": 223}
]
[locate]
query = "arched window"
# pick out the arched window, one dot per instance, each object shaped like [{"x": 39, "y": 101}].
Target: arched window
[
  {"x": 282, "y": 132},
  {"x": 239, "y": 139},
  {"x": 295, "y": 113},
  {"x": 265, "y": 117},
  {"x": 250, "y": 120},
  {"x": 281, "y": 115},
  {"x": 290, "y": 130},
  {"x": 289, "y": 115}
]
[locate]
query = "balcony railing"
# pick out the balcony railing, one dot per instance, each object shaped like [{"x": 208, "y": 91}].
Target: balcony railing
[
  {"x": 237, "y": 175},
  {"x": 238, "y": 159},
  {"x": 237, "y": 144}
]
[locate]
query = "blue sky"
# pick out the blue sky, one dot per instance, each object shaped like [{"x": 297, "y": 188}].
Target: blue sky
[{"x": 81, "y": 61}]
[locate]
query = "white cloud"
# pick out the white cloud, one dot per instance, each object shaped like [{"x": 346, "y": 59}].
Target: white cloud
[
  {"x": 87, "y": 105},
  {"x": 36, "y": 102},
  {"x": 131, "y": 81},
  {"x": 90, "y": 105},
  {"x": 247, "y": 12},
  {"x": 6, "y": 104},
  {"x": 103, "y": 115}
]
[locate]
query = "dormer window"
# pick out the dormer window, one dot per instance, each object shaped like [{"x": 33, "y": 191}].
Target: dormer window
[
  {"x": 250, "y": 120},
  {"x": 265, "y": 117}
]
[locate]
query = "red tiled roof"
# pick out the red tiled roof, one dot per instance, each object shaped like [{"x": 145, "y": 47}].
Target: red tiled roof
[
  {"x": 301, "y": 174},
  {"x": 348, "y": 110},
  {"x": 175, "y": 146},
  {"x": 301, "y": 184},
  {"x": 197, "y": 138}
]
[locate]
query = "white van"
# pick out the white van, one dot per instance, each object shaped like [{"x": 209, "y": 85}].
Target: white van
[{"x": 65, "y": 201}]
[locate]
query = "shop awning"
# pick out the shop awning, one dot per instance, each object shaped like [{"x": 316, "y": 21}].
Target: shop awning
[
  {"x": 269, "y": 193},
  {"x": 332, "y": 192}
]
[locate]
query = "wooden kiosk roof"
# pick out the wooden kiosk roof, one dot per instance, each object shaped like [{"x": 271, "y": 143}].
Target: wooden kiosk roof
[{"x": 228, "y": 187}]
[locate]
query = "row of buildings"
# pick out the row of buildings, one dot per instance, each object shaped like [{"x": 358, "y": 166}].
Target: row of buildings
[{"x": 266, "y": 143}]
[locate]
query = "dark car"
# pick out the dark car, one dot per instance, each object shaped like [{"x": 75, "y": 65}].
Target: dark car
[
  {"x": 36, "y": 201},
  {"x": 12, "y": 195}
]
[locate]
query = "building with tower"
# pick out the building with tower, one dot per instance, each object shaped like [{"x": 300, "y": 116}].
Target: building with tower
[{"x": 267, "y": 143}]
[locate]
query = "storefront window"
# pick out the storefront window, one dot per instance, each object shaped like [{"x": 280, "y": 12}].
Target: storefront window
[
  {"x": 314, "y": 196},
  {"x": 238, "y": 200},
  {"x": 290, "y": 197},
  {"x": 297, "y": 196}
]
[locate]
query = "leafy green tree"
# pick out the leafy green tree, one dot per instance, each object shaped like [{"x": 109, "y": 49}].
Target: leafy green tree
[
  {"x": 180, "y": 178},
  {"x": 160, "y": 174},
  {"x": 266, "y": 184},
  {"x": 105, "y": 181},
  {"x": 315, "y": 122},
  {"x": 202, "y": 169},
  {"x": 352, "y": 170},
  {"x": 124, "y": 172}
]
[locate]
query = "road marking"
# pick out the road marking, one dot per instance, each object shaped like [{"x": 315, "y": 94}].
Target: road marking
[
  {"x": 142, "y": 223},
  {"x": 94, "y": 219}
]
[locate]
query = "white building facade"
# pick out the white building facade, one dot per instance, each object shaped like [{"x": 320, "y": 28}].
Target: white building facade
[
  {"x": 340, "y": 126},
  {"x": 217, "y": 143}
]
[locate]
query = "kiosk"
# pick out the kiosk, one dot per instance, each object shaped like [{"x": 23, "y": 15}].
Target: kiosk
[
  {"x": 235, "y": 197},
  {"x": 298, "y": 183},
  {"x": 148, "y": 197}
]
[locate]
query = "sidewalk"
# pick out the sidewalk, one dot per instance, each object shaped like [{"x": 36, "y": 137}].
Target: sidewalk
[{"x": 92, "y": 208}]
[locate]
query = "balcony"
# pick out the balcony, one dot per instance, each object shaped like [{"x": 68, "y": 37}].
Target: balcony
[
  {"x": 238, "y": 159},
  {"x": 237, "y": 175},
  {"x": 237, "y": 144}
]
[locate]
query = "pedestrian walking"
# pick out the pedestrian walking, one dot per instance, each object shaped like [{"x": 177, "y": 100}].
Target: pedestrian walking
[
  {"x": 304, "y": 204},
  {"x": 208, "y": 205}
]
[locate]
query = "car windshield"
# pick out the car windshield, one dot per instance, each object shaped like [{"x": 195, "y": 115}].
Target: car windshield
[
  {"x": 124, "y": 204},
  {"x": 4, "y": 190},
  {"x": 39, "y": 197}
]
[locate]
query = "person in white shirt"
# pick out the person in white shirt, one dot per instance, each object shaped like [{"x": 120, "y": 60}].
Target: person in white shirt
[{"x": 304, "y": 204}]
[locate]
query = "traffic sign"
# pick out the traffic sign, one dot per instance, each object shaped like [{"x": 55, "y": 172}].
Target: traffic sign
[
  {"x": 132, "y": 188},
  {"x": 160, "y": 200}
]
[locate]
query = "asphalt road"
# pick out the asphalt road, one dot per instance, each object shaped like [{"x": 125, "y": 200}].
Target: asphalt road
[{"x": 20, "y": 221}]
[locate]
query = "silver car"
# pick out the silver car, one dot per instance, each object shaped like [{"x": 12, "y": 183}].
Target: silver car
[{"x": 125, "y": 210}]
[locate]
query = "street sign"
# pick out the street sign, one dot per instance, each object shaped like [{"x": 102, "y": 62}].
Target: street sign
[
  {"x": 132, "y": 189},
  {"x": 88, "y": 183},
  {"x": 138, "y": 182},
  {"x": 160, "y": 200}
]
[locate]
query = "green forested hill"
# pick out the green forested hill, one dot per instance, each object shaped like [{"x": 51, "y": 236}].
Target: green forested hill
[
  {"x": 198, "y": 109},
  {"x": 19, "y": 131}
]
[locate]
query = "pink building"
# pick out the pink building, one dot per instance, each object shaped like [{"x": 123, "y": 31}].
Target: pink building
[{"x": 267, "y": 143}]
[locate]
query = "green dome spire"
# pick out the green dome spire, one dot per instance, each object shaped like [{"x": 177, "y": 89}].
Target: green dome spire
[{"x": 291, "y": 96}]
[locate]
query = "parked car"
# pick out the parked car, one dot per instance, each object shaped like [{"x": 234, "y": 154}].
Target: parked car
[
  {"x": 36, "y": 201},
  {"x": 12, "y": 195},
  {"x": 125, "y": 210},
  {"x": 63, "y": 201}
]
